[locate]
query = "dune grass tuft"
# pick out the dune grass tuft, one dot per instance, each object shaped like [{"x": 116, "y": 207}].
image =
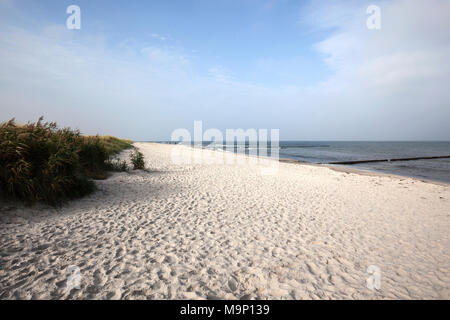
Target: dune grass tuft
[
  {"x": 41, "y": 162},
  {"x": 137, "y": 159}
]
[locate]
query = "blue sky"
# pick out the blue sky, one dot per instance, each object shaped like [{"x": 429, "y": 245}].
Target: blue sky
[
  {"x": 244, "y": 38},
  {"x": 141, "y": 69}
]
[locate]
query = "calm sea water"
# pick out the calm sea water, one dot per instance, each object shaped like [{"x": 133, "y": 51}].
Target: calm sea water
[{"x": 336, "y": 151}]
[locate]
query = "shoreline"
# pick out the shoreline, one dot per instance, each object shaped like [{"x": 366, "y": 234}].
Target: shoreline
[
  {"x": 366, "y": 172},
  {"x": 349, "y": 169}
]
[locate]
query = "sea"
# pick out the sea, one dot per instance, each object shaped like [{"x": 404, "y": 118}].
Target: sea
[{"x": 326, "y": 152}]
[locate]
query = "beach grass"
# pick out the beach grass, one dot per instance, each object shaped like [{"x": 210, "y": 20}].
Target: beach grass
[
  {"x": 114, "y": 145},
  {"x": 42, "y": 162},
  {"x": 137, "y": 159}
]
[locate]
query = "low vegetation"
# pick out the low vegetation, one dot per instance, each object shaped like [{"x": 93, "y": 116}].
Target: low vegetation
[
  {"x": 114, "y": 145},
  {"x": 116, "y": 165},
  {"x": 137, "y": 159},
  {"x": 41, "y": 162}
]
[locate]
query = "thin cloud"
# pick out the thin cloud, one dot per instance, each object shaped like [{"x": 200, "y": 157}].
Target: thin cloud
[{"x": 158, "y": 36}]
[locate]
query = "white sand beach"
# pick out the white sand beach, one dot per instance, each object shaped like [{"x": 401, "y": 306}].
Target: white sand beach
[{"x": 217, "y": 231}]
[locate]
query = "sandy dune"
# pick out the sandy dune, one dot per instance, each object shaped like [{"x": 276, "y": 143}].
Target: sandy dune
[{"x": 205, "y": 231}]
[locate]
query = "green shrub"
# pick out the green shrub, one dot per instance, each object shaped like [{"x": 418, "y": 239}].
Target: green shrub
[
  {"x": 137, "y": 159},
  {"x": 93, "y": 156},
  {"x": 41, "y": 162}
]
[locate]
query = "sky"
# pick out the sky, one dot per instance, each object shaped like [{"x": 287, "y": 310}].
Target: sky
[{"x": 312, "y": 69}]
